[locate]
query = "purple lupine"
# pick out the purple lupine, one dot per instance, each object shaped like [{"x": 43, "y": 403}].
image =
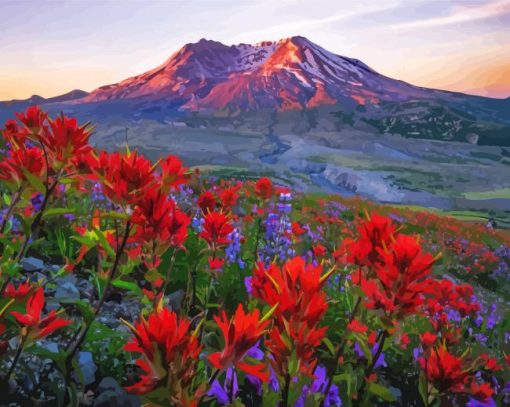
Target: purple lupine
[
  {"x": 233, "y": 250},
  {"x": 319, "y": 385},
  {"x": 278, "y": 229}
]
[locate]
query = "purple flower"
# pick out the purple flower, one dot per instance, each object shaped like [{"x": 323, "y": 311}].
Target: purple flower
[
  {"x": 229, "y": 387},
  {"x": 319, "y": 385},
  {"x": 247, "y": 284},
  {"x": 477, "y": 403}
]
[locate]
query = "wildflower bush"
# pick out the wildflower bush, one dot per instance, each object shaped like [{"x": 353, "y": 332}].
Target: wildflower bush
[{"x": 248, "y": 293}]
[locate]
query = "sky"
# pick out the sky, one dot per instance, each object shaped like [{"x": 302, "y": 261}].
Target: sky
[{"x": 49, "y": 47}]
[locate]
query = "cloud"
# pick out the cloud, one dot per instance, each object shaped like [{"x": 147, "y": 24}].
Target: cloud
[
  {"x": 461, "y": 14},
  {"x": 298, "y": 26}
]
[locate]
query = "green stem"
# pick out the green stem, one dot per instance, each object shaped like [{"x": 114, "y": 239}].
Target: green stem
[
  {"x": 331, "y": 370},
  {"x": 285, "y": 391},
  {"x": 79, "y": 337},
  {"x": 368, "y": 372}
]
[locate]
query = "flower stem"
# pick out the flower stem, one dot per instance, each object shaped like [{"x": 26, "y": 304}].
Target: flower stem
[
  {"x": 286, "y": 390},
  {"x": 370, "y": 369},
  {"x": 334, "y": 365},
  {"x": 80, "y": 335}
]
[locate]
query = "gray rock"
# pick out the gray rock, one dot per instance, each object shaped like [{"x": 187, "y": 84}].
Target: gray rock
[
  {"x": 88, "y": 367},
  {"x": 67, "y": 290},
  {"x": 32, "y": 264},
  {"x": 175, "y": 299},
  {"x": 110, "y": 393}
]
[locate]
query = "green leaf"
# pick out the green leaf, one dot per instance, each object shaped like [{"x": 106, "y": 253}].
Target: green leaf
[
  {"x": 99, "y": 331},
  {"x": 116, "y": 215},
  {"x": 381, "y": 391},
  {"x": 84, "y": 308},
  {"x": 127, "y": 285},
  {"x": 104, "y": 243},
  {"x": 35, "y": 182},
  {"x": 52, "y": 212},
  {"x": 329, "y": 345},
  {"x": 7, "y": 199}
]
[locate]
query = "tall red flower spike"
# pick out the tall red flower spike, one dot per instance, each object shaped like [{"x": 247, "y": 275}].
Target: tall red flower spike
[
  {"x": 264, "y": 188},
  {"x": 241, "y": 333},
  {"x": 170, "y": 354},
  {"x": 217, "y": 227}
]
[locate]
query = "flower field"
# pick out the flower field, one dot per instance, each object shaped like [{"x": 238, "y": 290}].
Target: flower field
[{"x": 187, "y": 290}]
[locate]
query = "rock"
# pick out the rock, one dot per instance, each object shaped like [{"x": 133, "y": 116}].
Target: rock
[
  {"x": 67, "y": 290},
  {"x": 110, "y": 393},
  {"x": 175, "y": 300},
  {"x": 88, "y": 368},
  {"x": 32, "y": 264}
]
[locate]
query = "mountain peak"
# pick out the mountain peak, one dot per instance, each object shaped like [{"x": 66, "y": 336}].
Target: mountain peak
[{"x": 289, "y": 73}]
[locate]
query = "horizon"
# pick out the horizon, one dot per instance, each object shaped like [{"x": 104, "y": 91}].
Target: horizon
[{"x": 454, "y": 45}]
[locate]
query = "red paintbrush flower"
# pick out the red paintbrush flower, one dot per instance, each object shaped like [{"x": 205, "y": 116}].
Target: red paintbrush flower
[
  {"x": 241, "y": 333},
  {"x": 18, "y": 293},
  {"x": 207, "y": 202},
  {"x": 65, "y": 140},
  {"x": 216, "y": 229},
  {"x": 158, "y": 219},
  {"x": 170, "y": 353},
  {"x": 38, "y": 327},
  {"x": 173, "y": 173},
  {"x": 215, "y": 263},
  {"x": 264, "y": 188},
  {"x": 228, "y": 198},
  {"x": 374, "y": 234},
  {"x": 428, "y": 339},
  {"x": 23, "y": 161},
  {"x": 125, "y": 177},
  {"x": 296, "y": 289},
  {"x": 33, "y": 118},
  {"x": 400, "y": 277},
  {"x": 357, "y": 326},
  {"x": 444, "y": 370}
]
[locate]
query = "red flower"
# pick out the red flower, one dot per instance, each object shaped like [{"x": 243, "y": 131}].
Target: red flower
[
  {"x": 18, "y": 293},
  {"x": 444, "y": 370},
  {"x": 33, "y": 117},
  {"x": 125, "y": 178},
  {"x": 357, "y": 326},
  {"x": 428, "y": 339},
  {"x": 374, "y": 234},
  {"x": 319, "y": 250},
  {"x": 241, "y": 333},
  {"x": 264, "y": 188},
  {"x": 296, "y": 289},
  {"x": 400, "y": 275},
  {"x": 173, "y": 173},
  {"x": 215, "y": 263},
  {"x": 170, "y": 353},
  {"x": 65, "y": 140},
  {"x": 216, "y": 229},
  {"x": 159, "y": 219},
  {"x": 481, "y": 391},
  {"x": 39, "y": 328},
  {"x": 207, "y": 202},
  {"x": 22, "y": 161},
  {"x": 228, "y": 198}
]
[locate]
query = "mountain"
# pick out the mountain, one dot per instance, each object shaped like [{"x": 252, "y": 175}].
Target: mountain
[
  {"x": 38, "y": 100},
  {"x": 214, "y": 80},
  {"x": 293, "y": 73}
]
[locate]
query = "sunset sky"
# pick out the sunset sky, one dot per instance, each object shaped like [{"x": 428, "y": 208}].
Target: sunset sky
[{"x": 51, "y": 47}]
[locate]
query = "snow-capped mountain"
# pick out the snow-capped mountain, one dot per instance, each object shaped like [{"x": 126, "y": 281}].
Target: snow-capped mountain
[
  {"x": 286, "y": 74},
  {"x": 292, "y": 75}
]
